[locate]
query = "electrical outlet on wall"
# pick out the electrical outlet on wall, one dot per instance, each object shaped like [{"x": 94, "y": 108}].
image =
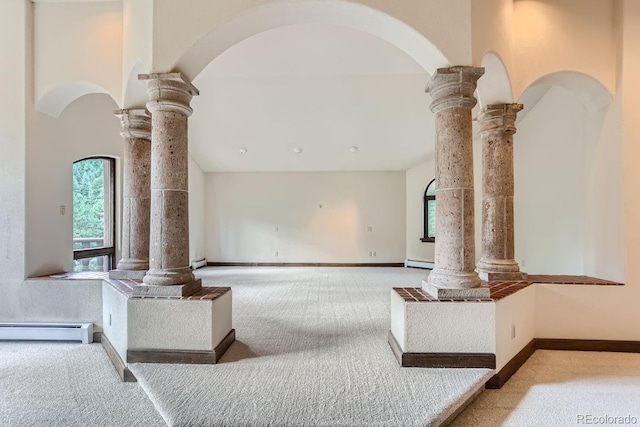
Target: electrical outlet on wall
[
  {"x": 63, "y": 209},
  {"x": 369, "y": 228},
  {"x": 276, "y": 253}
]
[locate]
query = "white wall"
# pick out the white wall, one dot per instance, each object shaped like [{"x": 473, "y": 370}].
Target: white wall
[
  {"x": 77, "y": 42},
  {"x": 550, "y": 186},
  {"x": 417, "y": 179},
  {"x": 14, "y": 29},
  {"x": 86, "y": 128},
  {"x": 196, "y": 211},
  {"x": 604, "y": 213},
  {"x": 244, "y": 209}
]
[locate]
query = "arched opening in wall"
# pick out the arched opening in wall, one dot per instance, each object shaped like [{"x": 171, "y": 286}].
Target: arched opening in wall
[
  {"x": 429, "y": 212},
  {"x": 332, "y": 104},
  {"x": 568, "y": 179},
  {"x": 94, "y": 214}
]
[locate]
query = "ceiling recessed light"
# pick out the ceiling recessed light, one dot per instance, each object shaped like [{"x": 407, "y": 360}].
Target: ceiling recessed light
[
  {"x": 353, "y": 149},
  {"x": 297, "y": 150},
  {"x": 242, "y": 150}
]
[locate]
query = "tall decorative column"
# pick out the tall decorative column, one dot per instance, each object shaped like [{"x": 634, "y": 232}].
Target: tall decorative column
[
  {"x": 169, "y": 273},
  {"x": 497, "y": 126},
  {"x": 454, "y": 273},
  {"x": 136, "y": 130}
]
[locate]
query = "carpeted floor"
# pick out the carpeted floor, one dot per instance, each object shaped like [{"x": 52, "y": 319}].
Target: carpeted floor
[
  {"x": 311, "y": 350},
  {"x": 555, "y": 388},
  {"x": 64, "y": 384}
]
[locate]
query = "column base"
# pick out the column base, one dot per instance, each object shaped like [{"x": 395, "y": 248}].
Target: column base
[
  {"x": 168, "y": 277},
  {"x": 480, "y": 292},
  {"x": 133, "y": 264},
  {"x": 184, "y": 290},
  {"x": 499, "y": 269},
  {"x": 127, "y": 274},
  {"x": 442, "y": 278},
  {"x": 492, "y": 276}
]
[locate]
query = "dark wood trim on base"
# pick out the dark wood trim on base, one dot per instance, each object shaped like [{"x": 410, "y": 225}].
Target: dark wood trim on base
[
  {"x": 303, "y": 264},
  {"x": 183, "y": 356},
  {"x": 121, "y": 368},
  {"x": 500, "y": 378},
  {"x": 488, "y": 360},
  {"x": 588, "y": 345},
  {"x": 441, "y": 360},
  {"x": 512, "y": 366}
]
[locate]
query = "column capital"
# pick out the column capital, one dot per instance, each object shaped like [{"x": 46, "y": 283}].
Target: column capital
[
  {"x": 169, "y": 92},
  {"x": 498, "y": 118},
  {"x": 454, "y": 87},
  {"x": 136, "y": 123}
]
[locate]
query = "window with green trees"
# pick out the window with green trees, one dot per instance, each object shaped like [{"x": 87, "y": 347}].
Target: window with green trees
[
  {"x": 93, "y": 214},
  {"x": 429, "y": 211}
]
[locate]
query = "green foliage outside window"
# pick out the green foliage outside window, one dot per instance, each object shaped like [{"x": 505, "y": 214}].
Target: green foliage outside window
[{"x": 88, "y": 199}]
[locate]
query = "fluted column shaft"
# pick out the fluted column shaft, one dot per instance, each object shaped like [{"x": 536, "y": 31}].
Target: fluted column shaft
[
  {"x": 452, "y": 91},
  {"x": 170, "y": 96},
  {"x": 497, "y": 126},
  {"x": 136, "y": 129}
]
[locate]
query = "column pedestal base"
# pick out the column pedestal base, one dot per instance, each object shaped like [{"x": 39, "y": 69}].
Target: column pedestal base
[
  {"x": 142, "y": 290},
  {"x": 480, "y": 292},
  {"x": 127, "y": 274},
  {"x": 491, "y": 276}
]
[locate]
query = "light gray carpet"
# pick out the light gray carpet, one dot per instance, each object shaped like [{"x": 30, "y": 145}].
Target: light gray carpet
[
  {"x": 553, "y": 388},
  {"x": 65, "y": 384},
  {"x": 312, "y": 351}
]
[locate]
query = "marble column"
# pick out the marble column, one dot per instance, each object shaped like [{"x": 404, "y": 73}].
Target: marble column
[
  {"x": 497, "y": 126},
  {"x": 136, "y": 197},
  {"x": 454, "y": 273},
  {"x": 169, "y": 272}
]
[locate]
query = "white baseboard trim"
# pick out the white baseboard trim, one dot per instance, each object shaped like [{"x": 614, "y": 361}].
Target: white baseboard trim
[{"x": 419, "y": 264}]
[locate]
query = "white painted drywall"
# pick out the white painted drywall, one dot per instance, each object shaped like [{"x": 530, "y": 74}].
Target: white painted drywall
[
  {"x": 196, "y": 211},
  {"x": 417, "y": 179},
  {"x": 604, "y": 213},
  {"x": 515, "y": 324},
  {"x": 76, "y": 42},
  {"x": 115, "y": 318},
  {"x": 14, "y": 52},
  {"x": 550, "y": 153},
  {"x": 86, "y": 128},
  {"x": 320, "y": 217},
  {"x": 573, "y": 35},
  {"x": 219, "y": 24}
]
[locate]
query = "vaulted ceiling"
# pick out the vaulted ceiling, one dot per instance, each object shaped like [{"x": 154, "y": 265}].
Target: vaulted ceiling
[{"x": 316, "y": 89}]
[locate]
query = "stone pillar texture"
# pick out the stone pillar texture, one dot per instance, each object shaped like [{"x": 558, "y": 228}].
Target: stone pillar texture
[
  {"x": 136, "y": 130},
  {"x": 170, "y": 95},
  {"x": 497, "y": 126},
  {"x": 452, "y": 92}
]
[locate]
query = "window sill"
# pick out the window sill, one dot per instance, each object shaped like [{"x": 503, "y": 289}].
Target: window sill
[{"x": 428, "y": 239}]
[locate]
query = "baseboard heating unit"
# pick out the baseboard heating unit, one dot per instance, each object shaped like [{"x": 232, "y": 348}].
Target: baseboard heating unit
[
  {"x": 197, "y": 264},
  {"x": 47, "y": 332},
  {"x": 419, "y": 264}
]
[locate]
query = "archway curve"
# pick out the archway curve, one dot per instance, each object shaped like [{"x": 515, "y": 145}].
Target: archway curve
[
  {"x": 54, "y": 101},
  {"x": 494, "y": 87},
  {"x": 593, "y": 94},
  {"x": 332, "y": 12}
]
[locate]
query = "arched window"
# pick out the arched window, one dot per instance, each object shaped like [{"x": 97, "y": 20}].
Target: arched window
[
  {"x": 429, "y": 210},
  {"x": 94, "y": 214}
]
